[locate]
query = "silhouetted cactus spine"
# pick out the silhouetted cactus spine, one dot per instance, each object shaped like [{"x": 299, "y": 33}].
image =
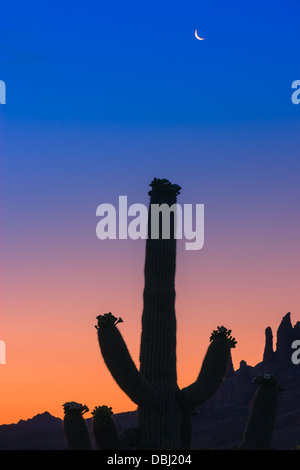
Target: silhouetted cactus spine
[
  {"x": 164, "y": 411},
  {"x": 260, "y": 427},
  {"x": 75, "y": 427}
]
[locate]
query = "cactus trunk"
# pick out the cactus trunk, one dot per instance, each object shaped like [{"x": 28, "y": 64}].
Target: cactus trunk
[
  {"x": 260, "y": 427},
  {"x": 104, "y": 429},
  {"x": 159, "y": 427},
  {"x": 75, "y": 428}
]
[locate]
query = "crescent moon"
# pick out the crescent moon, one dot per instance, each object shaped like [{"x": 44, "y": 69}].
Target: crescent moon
[{"x": 198, "y": 37}]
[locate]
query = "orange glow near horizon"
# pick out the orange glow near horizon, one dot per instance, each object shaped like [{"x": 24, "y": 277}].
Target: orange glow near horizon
[{"x": 52, "y": 349}]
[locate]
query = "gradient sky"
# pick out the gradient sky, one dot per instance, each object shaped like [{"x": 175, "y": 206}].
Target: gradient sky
[{"x": 101, "y": 98}]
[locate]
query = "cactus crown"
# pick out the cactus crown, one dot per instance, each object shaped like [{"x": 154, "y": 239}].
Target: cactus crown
[
  {"x": 107, "y": 319},
  {"x": 267, "y": 379},
  {"x": 222, "y": 331},
  {"x": 73, "y": 406},
  {"x": 164, "y": 185},
  {"x": 102, "y": 414}
]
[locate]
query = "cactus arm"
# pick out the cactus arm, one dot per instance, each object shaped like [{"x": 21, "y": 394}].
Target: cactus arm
[
  {"x": 260, "y": 427},
  {"x": 75, "y": 428},
  {"x": 120, "y": 364},
  {"x": 213, "y": 369}
]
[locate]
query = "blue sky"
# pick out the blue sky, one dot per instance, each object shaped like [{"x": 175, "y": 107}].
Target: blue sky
[
  {"x": 138, "y": 63},
  {"x": 103, "y": 96}
]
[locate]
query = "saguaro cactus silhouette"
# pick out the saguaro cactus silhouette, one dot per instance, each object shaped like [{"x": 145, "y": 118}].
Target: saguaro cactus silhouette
[
  {"x": 164, "y": 411},
  {"x": 76, "y": 431},
  {"x": 261, "y": 423}
]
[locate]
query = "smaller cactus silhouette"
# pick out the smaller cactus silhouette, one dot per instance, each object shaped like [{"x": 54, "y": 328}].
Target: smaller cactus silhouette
[
  {"x": 75, "y": 427},
  {"x": 261, "y": 423},
  {"x": 106, "y": 434},
  {"x": 104, "y": 429}
]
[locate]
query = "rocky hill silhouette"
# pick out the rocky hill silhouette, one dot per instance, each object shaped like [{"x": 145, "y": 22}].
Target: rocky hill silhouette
[{"x": 219, "y": 423}]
